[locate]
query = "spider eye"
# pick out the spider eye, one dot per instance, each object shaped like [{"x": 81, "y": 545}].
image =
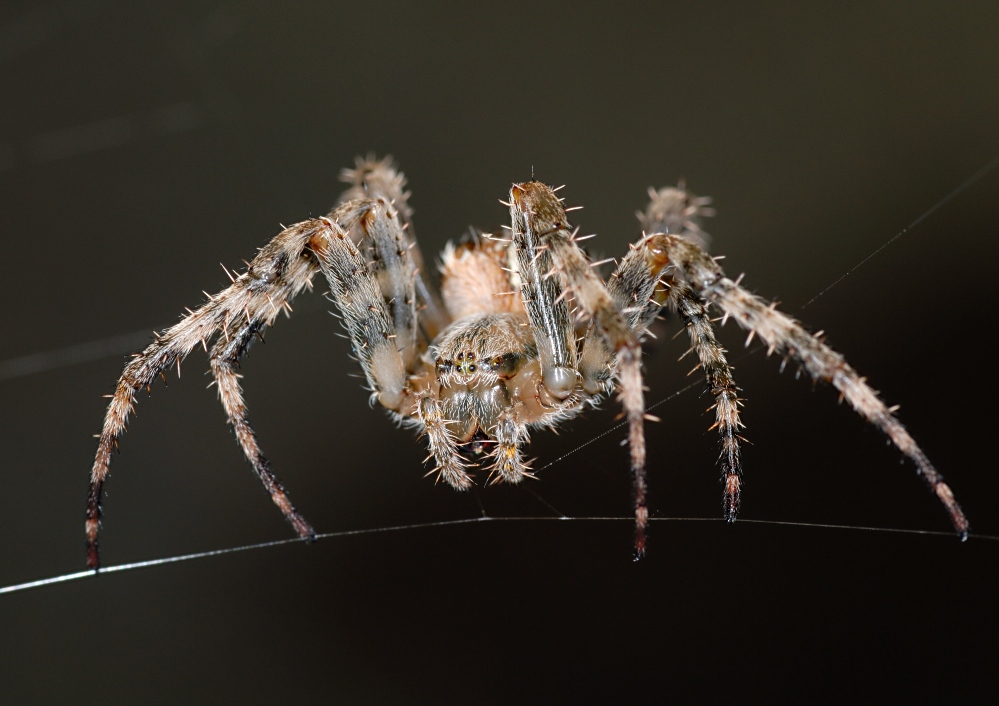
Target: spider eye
[{"x": 504, "y": 365}]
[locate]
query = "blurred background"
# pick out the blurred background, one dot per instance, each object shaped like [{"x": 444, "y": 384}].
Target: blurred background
[{"x": 143, "y": 143}]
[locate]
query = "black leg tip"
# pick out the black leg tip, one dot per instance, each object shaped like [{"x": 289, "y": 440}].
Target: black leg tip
[{"x": 93, "y": 557}]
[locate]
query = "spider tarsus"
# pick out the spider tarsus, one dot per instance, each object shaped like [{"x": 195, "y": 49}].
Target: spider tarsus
[
  {"x": 93, "y": 548},
  {"x": 640, "y": 542},
  {"x": 732, "y": 496},
  {"x": 731, "y": 509},
  {"x": 302, "y": 527}
]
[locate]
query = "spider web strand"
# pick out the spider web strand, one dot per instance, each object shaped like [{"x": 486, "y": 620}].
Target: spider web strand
[
  {"x": 118, "y": 568},
  {"x": 958, "y": 190}
]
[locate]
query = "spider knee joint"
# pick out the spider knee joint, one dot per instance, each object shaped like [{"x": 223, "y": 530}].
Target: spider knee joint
[{"x": 560, "y": 381}]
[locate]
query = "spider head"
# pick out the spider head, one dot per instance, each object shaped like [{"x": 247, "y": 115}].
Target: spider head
[
  {"x": 482, "y": 349},
  {"x": 483, "y": 363}
]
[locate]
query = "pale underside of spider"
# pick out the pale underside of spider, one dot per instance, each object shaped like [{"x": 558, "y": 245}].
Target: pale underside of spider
[{"x": 524, "y": 335}]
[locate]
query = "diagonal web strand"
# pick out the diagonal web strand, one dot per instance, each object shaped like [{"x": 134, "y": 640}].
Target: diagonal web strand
[{"x": 957, "y": 191}]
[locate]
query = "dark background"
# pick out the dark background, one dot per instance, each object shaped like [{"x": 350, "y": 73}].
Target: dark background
[{"x": 143, "y": 143}]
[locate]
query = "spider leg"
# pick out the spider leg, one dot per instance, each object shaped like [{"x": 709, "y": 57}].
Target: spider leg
[
  {"x": 545, "y": 243},
  {"x": 443, "y": 446},
  {"x": 373, "y": 178},
  {"x": 363, "y": 310},
  {"x": 225, "y": 357},
  {"x": 277, "y": 274},
  {"x": 169, "y": 347},
  {"x": 640, "y": 287},
  {"x": 718, "y": 373},
  {"x": 508, "y": 464},
  {"x": 677, "y": 211},
  {"x": 786, "y": 336},
  {"x": 365, "y": 314},
  {"x": 390, "y": 263},
  {"x": 542, "y": 294}
]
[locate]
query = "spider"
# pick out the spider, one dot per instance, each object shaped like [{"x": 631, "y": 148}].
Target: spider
[{"x": 523, "y": 335}]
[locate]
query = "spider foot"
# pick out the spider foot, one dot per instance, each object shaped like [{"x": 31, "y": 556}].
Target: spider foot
[
  {"x": 730, "y": 503},
  {"x": 641, "y": 522},
  {"x": 304, "y": 529}
]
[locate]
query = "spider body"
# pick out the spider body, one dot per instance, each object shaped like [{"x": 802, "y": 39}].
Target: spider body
[{"x": 524, "y": 335}]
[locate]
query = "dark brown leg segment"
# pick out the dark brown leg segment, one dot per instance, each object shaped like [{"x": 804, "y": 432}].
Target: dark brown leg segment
[
  {"x": 168, "y": 349},
  {"x": 224, "y": 362}
]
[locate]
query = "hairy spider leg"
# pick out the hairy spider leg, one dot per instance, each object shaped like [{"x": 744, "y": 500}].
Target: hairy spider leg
[
  {"x": 224, "y": 361},
  {"x": 372, "y": 178},
  {"x": 784, "y": 335},
  {"x": 362, "y": 308},
  {"x": 718, "y": 374},
  {"x": 641, "y": 285},
  {"x": 443, "y": 446},
  {"x": 389, "y": 262},
  {"x": 355, "y": 290},
  {"x": 508, "y": 463},
  {"x": 279, "y": 272},
  {"x": 675, "y": 210},
  {"x": 541, "y": 289},
  {"x": 548, "y": 254}
]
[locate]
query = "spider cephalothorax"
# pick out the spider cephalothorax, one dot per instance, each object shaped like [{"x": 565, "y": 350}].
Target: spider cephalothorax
[{"x": 525, "y": 334}]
